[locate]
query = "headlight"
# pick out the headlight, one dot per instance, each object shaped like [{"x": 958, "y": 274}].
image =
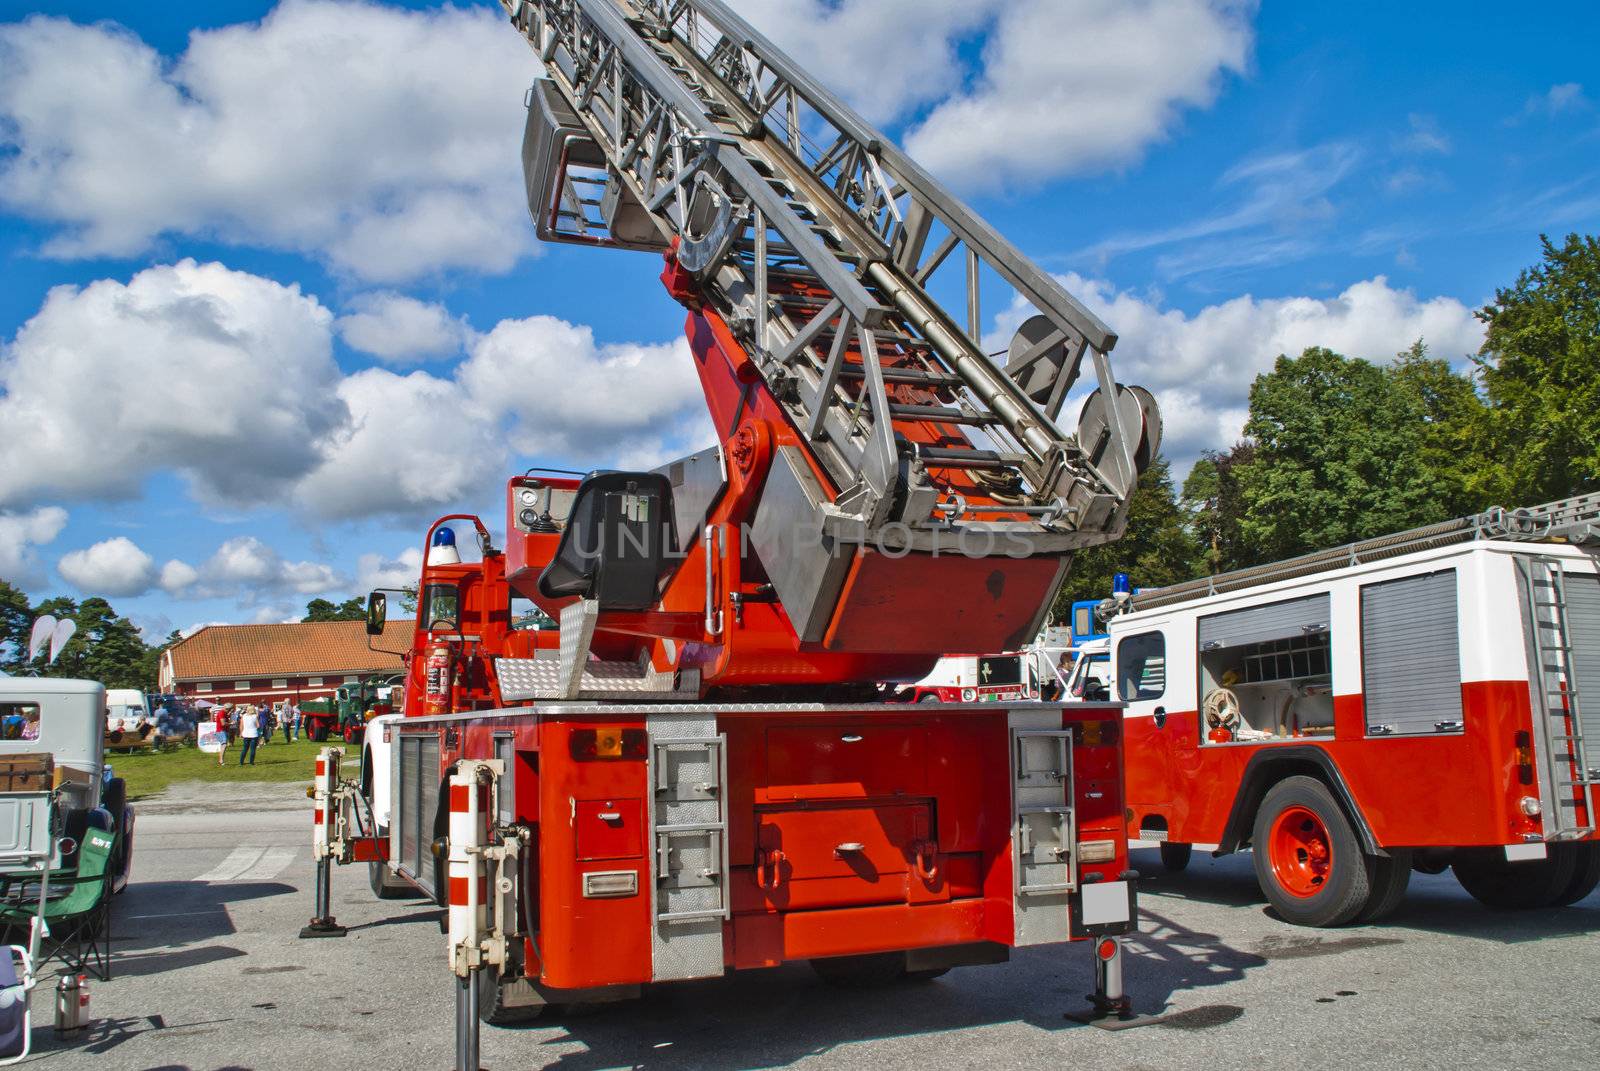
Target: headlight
[{"x": 969, "y": 695}]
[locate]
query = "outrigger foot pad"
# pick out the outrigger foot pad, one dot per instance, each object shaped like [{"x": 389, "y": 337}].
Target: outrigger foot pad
[
  {"x": 1111, "y": 1013},
  {"x": 322, "y": 928}
]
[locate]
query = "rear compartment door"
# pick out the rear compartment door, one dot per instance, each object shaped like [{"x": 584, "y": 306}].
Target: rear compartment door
[{"x": 847, "y": 853}]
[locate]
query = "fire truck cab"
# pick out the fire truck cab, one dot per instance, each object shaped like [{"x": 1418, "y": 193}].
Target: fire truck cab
[{"x": 1419, "y": 701}]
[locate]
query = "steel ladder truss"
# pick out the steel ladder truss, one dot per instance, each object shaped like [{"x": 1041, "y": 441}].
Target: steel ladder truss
[
  {"x": 1569, "y": 520},
  {"x": 1567, "y": 779},
  {"x": 821, "y": 245}
]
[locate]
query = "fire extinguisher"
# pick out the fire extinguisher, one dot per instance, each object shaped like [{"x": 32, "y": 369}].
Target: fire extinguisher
[{"x": 439, "y": 671}]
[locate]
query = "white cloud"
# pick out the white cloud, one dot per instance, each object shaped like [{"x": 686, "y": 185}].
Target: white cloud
[
  {"x": 414, "y": 442},
  {"x": 1558, "y": 99},
  {"x": 246, "y": 568},
  {"x": 844, "y": 42},
  {"x": 111, "y": 567},
  {"x": 1423, "y": 136},
  {"x": 21, "y": 533},
  {"x": 1200, "y": 366},
  {"x": 566, "y": 395},
  {"x": 1074, "y": 86},
  {"x": 400, "y": 329},
  {"x": 375, "y": 571},
  {"x": 223, "y": 376},
  {"x": 1284, "y": 206},
  {"x": 378, "y": 138},
  {"x": 176, "y": 575},
  {"x": 228, "y": 379}
]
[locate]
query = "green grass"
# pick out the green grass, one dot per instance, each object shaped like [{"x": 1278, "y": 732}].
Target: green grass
[{"x": 150, "y": 772}]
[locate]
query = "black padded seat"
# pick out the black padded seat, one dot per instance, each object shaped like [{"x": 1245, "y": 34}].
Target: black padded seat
[{"x": 614, "y": 547}]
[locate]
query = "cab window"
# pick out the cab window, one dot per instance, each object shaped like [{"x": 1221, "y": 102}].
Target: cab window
[
  {"x": 527, "y": 617},
  {"x": 441, "y": 607},
  {"x": 1142, "y": 667}
]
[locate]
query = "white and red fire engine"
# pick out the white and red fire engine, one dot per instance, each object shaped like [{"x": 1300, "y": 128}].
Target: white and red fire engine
[
  {"x": 996, "y": 678},
  {"x": 643, "y": 740},
  {"x": 1416, "y": 701}
]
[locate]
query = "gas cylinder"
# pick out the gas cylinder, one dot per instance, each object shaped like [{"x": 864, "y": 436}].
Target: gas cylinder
[{"x": 438, "y": 672}]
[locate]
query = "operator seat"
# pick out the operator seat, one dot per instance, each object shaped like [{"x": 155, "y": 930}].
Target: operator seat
[{"x": 614, "y": 547}]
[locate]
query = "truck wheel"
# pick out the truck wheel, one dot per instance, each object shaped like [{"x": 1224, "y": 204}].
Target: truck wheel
[
  {"x": 1390, "y": 878},
  {"x": 319, "y": 733},
  {"x": 1308, "y": 861},
  {"x": 1504, "y": 886},
  {"x": 1175, "y": 857},
  {"x": 1585, "y": 873},
  {"x": 930, "y": 698},
  {"x": 492, "y": 1006},
  {"x": 861, "y": 972}
]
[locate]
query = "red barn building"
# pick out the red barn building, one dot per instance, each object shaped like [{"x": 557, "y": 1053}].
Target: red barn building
[{"x": 265, "y": 663}]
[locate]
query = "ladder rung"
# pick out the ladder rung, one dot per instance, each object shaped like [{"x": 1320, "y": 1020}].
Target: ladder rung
[
  {"x": 906, "y": 375},
  {"x": 948, "y": 457},
  {"x": 941, "y": 415}
]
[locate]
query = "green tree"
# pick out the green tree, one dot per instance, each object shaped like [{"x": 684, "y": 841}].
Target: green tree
[
  {"x": 1213, "y": 503},
  {"x": 106, "y": 647},
  {"x": 1540, "y": 365},
  {"x": 16, "y": 619},
  {"x": 352, "y": 609},
  {"x": 1156, "y": 549},
  {"x": 1453, "y": 429},
  {"x": 1339, "y": 447}
]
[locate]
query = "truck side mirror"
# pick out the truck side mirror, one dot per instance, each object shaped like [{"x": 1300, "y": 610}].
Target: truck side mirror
[{"x": 377, "y": 612}]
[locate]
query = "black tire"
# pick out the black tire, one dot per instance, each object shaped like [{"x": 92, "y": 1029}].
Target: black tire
[
  {"x": 862, "y": 972},
  {"x": 319, "y": 734},
  {"x": 1331, "y": 897},
  {"x": 1503, "y": 886},
  {"x": 1390, "y": 878},
  {"x": 123, "y": 875},
  {"x": 1585, "y": 873},
  {"x": 927, "y": 975},
  {"x": 1175, "y": 857},
  {"x": 930, "y": 699},
  {"x": 492, "y": 1008}
]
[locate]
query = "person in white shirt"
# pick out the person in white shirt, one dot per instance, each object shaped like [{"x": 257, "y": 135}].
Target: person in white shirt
[{"x": 249, "y": 735}]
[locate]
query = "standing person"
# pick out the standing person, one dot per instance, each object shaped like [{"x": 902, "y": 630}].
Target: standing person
[
  {"x": 294, "y": 714},
  {"x": 249, "y": 735},
  {"x": 269, "y": 723}
]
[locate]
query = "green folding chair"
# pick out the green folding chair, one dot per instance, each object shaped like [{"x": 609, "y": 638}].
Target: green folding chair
[{"x": 78, "y": 923}]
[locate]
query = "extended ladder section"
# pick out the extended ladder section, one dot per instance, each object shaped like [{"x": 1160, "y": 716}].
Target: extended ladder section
[
  {"x": 1567, "y": 778},
  {"x": 1570, "y": 520},
  {"x": 675, "y": 124}
]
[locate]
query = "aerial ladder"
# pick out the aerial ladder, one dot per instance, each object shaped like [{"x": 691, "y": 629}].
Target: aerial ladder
[{"x": 872, "y": 446}]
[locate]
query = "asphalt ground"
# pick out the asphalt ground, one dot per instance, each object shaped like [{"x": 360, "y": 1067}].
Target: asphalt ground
[{"x": 209, "y": 975}]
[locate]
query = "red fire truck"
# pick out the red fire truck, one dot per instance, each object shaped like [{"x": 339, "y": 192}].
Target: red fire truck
[
  {"x": 687, "y": 770},
  {"x": 1418, "y": 701}
]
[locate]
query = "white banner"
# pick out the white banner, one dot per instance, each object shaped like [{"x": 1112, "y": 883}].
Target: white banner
[{"x": 210, "y": 737}]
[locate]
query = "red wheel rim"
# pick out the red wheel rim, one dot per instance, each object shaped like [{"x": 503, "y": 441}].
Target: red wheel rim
[{"x": 1300, "y": 851}]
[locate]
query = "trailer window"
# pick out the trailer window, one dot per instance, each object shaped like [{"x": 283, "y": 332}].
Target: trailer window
[
  {"x": 1142, "y": 667},
  {"x": 1006, "y": 670}
]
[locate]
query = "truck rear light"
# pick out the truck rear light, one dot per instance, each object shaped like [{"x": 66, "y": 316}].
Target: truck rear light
[
  {"x": 607, "y": 742},
  {"x": 1095, "y": 733},
  {"x": 1097, "y": 851},
  {"x": 1524, "y": 742}
]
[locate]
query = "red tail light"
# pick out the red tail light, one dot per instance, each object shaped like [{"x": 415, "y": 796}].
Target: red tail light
[{"x": 1524, "y": 742}]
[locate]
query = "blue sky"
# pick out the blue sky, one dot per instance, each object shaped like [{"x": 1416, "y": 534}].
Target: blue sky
[{"x": 271, "y": 302}]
